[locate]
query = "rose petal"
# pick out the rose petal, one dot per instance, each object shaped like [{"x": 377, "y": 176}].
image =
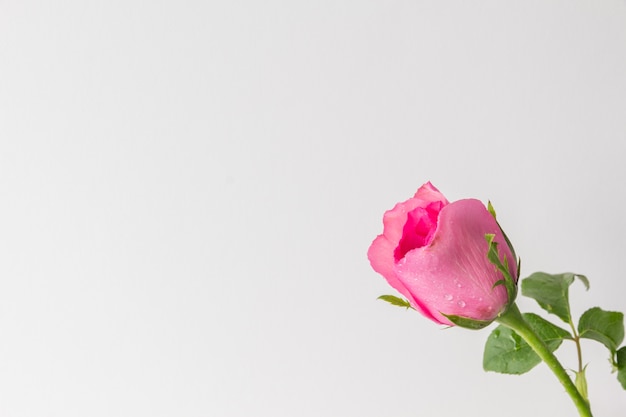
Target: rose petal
[
  {"x": 378, "y": 255},
  {"x": 419, "y": 229},
  {"x": 382, "y": 249},
  {"x": 395, "y": 219}
]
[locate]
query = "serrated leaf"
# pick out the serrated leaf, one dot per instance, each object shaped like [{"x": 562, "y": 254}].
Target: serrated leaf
[
  {"x": 396, "y": 301},
  {"x": 551, "y": 291},
  {"x": 606, "y": 327},
  {"x": 582, "y": 279},
  {"x": 507, "y": 353},
  {"x": 467, "y": 323},
  {"x": 621, "y": 366}
]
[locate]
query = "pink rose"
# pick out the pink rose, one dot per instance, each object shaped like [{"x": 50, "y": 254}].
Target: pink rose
[{"x": 435, "y": 254}]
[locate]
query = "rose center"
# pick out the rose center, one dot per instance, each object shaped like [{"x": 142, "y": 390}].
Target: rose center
[{"x": 419, "y": 228}]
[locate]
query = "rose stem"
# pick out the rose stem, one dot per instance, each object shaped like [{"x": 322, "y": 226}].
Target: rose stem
[{"x": 514, "y": 320}]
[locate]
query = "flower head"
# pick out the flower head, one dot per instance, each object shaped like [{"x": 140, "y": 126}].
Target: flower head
[{"x": 435, "y": 253}]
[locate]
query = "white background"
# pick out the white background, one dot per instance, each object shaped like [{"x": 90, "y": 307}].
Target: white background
[{"x": 188, "y": 190}]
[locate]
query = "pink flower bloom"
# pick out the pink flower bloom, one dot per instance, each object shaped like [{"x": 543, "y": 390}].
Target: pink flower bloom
[{"x": 435, "y": 254}]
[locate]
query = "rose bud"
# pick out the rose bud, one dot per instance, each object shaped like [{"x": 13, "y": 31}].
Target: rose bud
[{"x": 437, "y": 254}]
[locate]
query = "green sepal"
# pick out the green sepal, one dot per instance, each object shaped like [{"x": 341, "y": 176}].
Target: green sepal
[
  {"x": 551, "y": 291},
  {"x": 494, "y": 258},
  {"x": 497, "y": 283},
  {"x": 507, "y": 353},
  {"x": 581, "y": 383},
  {"x": 396, "y": 301},
  {"x": 466, "y": 322},
  {"x": 606, "y": 327},
  {"x": 621, "y": 366},
  {"x": 492, "y": 211}
]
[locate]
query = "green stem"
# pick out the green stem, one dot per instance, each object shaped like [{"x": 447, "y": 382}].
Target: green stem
[
  {"x": 576, "y": 340},
  {"x": 514, "y": 320}
]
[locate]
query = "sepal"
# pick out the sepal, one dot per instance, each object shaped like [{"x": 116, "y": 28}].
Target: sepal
[
  {"x": 494, "y": 257},
  {"x": 581, "y": 383},
  {"x": 492, "y": 211},
  {"x": 396, "y": 301},
  {"x": 466, "y": 322}
]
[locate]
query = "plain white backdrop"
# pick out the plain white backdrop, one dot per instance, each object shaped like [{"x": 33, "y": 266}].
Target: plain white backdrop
[{"x": 188, "y": 190}]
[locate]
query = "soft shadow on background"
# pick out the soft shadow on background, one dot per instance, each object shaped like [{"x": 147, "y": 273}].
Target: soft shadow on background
[{"x": 188, "y": 190}]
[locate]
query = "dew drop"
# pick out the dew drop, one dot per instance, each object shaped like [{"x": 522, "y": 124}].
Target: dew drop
[
  {"x": 458, "y": 284},
  {"x": 461, "y": 303},
  {"x": 448, "y": 297}
]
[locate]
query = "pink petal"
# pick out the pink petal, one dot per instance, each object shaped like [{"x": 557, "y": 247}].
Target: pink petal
[
  {"x": 395, "y": 219},
  {"x": 381, "y": 252},
  {"x": 419, "y": 229}
]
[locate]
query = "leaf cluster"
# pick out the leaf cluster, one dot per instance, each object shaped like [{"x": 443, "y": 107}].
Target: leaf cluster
[{"x": 506, "y": 352}]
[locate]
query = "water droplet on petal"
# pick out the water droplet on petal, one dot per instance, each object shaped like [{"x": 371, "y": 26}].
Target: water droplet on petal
[
  {"x": 448, "y": 297},
  {"x": 458, "y": 284},
  {"x": 461, "y": 303}
]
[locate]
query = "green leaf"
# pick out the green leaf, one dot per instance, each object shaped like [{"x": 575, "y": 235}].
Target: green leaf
[
  {"x": 606, "y": 327},
  {"x": 582, "y": 279},
  {"x": 551, "y": 291},
  {"x": 467, "y": 323},
  {"x": 396, "y": 301},
  {"x": 621, "y": 366},
  {"x": 507, "y": 353}
]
